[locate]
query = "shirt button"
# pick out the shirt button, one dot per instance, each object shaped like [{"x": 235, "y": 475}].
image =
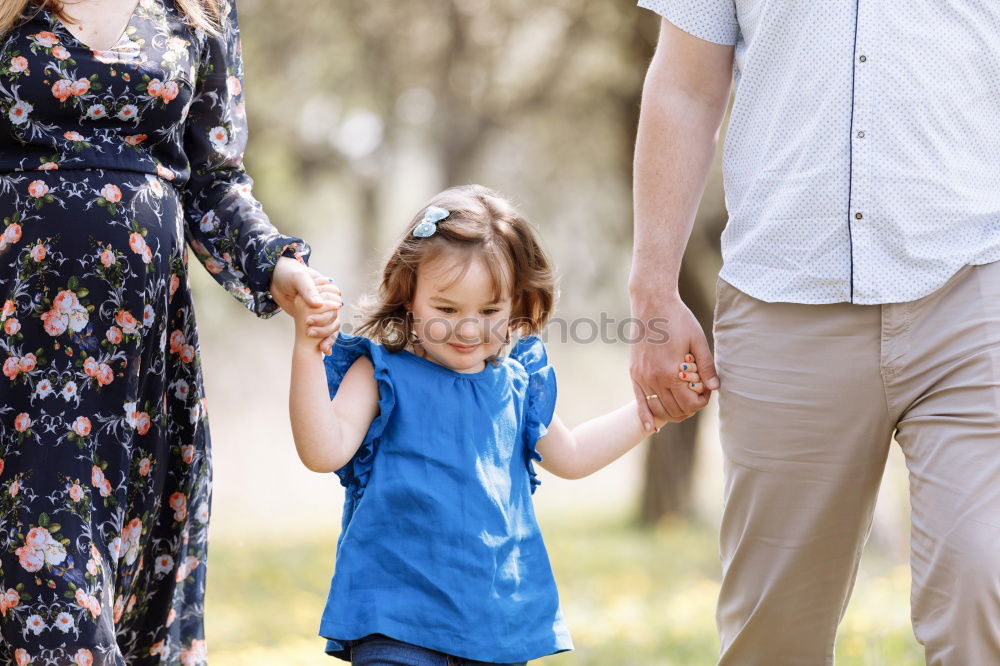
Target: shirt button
[
  {"x": 858, "y": 216},
  {"x": 862, "y": 58},
  {"x": 861, "y": 134}
]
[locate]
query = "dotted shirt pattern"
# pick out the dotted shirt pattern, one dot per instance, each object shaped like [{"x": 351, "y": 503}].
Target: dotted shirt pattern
[{"x": 862, "y": 161}]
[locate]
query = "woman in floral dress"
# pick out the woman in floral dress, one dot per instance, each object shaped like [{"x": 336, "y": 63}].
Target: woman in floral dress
[{"x": 110, "y": 160}]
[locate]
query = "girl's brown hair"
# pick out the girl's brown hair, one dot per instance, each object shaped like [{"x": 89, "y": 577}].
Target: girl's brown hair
[
  {"x": 481, "y": 224},
  {"x": 204, "y": 14}
]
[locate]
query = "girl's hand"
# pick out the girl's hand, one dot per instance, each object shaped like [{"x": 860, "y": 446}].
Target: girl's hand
[
  {"x": 687, "y": 372},
  {"x": 292, "y": 279},
  {"x": 313, "y": 322}
]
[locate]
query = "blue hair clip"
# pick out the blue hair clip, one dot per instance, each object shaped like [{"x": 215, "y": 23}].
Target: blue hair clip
[{"x": 428, "y": 225}]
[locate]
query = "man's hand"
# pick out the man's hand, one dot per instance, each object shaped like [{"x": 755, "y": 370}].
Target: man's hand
[{"x": 670, "y": 334}]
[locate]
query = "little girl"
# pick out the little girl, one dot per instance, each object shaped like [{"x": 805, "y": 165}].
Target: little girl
[{"x": 435, "y": 431}]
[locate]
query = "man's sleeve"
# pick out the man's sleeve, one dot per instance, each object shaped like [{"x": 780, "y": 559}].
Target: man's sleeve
[{"x": 711, "y": 20}]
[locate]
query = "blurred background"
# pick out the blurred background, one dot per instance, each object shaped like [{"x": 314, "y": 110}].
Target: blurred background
[{"x": 360, "y": 110}]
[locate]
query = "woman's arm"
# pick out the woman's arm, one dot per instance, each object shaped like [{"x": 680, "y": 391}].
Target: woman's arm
[
  {"x": 225, "y": 225},
  {"x": 327, "y": 432}
]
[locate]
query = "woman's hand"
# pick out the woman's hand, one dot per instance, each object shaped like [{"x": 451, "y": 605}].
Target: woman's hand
[{"x": 292, "y": 279}]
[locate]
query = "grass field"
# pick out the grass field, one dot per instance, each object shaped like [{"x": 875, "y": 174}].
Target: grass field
[{"x": 631, "y": 597}]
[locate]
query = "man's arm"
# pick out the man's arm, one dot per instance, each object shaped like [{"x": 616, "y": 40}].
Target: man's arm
[{"x": 684, "y": 100}]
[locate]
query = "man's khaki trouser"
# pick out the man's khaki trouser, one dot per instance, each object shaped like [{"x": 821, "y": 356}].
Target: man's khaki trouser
[{"x": 811, "y": 396}]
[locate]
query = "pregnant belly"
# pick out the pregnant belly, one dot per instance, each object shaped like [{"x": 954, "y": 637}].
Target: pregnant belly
[{"x": 83, "y": 252}]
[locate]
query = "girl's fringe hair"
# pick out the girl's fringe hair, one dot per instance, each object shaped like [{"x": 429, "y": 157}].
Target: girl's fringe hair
[{"x": 483, "y": 225}]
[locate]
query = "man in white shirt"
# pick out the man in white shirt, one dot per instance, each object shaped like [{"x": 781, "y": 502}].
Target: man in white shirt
[{"x": 859, "y": 299}]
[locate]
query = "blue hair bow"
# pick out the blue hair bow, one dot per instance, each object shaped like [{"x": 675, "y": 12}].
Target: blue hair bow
[{"x": 428, "y": 225}]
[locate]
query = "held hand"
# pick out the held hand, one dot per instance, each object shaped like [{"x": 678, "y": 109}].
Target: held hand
[
  {"x": 671, "y": 339},
  {"x": 299, "y": 289}
]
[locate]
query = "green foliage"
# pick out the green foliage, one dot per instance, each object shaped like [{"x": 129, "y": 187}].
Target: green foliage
[{"x": 631, "y": 597}]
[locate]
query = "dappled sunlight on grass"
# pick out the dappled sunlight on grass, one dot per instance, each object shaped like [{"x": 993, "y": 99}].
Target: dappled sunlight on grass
[{"x": 630, "y": 596}]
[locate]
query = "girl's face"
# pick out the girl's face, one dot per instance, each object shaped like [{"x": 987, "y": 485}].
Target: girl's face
[{"x": 458, "y": 322}]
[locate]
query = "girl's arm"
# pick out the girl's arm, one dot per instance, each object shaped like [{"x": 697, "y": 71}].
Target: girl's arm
[
  {"x": 327, "y": 432},
  {"x": 576, "y": 453}
]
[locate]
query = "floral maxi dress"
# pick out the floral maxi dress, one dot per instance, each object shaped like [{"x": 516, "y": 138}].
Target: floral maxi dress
[{"x": 111, "y": 162}]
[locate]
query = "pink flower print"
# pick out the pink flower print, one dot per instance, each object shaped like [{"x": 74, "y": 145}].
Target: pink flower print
[
  {"x": 107, "y": 258},
  {"x": 73, "y": 136},
  {"x": 130, "y": 540},
  {"x": 18, "y": 64},
  {"x": 177, "y": 341},
  {"x": 12, "y": 326},
  {"x": 119, "y": 609},
  {"x": 114, "y": 335},
  {"x": 1, "y": 466},
  {"x": 30, "y": 559},
  {"x": 62, "y": 89},
  {"x": 158, "y": 649},
  {"x": 12, "y": 234},
  {"x": 144, "y": 466},
  {"x": 154, "y": 88},
  {"x": 105, "y": 488},
  {"x": 136, "y": 242},
  {"x": 59, "y": 52},
  {"x": 83, "y": 657},
  {"x": 187, "y": 453},
  {"x": 12, "y": 367},
  {"x": 38, "y": 188},
  {"x": 187, "y": 566},
  {"x": 81, "y": 426},
  {"x": 14, "y": 487},
  {"x": 45, "y": 39},
  {"x": 22, "y": 422},
  {"x": 9, "y": 599},
  {"x": 187, "y": 353},
  {"x": 38, "y": 252},
  {"x": 54, "y": 323},
  {"x": 65, "y": 301},
  {"x": 28, "y": 362},
  {"x": 92, "y": 567},
  {"x": 135, "y": 139},
  {"x": 113, "y": 194},
  {"x": 75, "y": 492},
  {"x": 48, "y": 166},
  {"x": 178, "y": 502},
  {"x": 147, "y": 255},
  {"x": 169, "y": 92},
  {"x": 21, "y": 657},
  {"x": 126, "y": 322},
  {"x": 196, "y": 655},
  {"x": 106, "y": 58},
  {"x": 171, "y": 616},
  {"x": 234, "y": 86},
  {"x": 174, "y": 283},
  {"x": 105, "y": 375},
  {"x": 8, "y": 308},
  {"x": 38, "y": 537},
  {"x": 80, "y": 87},
  {"x": 142, "y": 423},
  {"x": 96, "y": 476},
  {"x": 90, "y": 366},
  {"x": 115, "y": 548}
]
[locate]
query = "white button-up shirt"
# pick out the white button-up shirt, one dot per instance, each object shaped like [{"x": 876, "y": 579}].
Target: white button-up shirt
[{"x": 862, "y": 160}]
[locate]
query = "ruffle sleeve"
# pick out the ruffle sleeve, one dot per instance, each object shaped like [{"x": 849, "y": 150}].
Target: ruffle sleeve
[
  {"x": 540, "y": 398},
  {"x": 348, "y": 348}
]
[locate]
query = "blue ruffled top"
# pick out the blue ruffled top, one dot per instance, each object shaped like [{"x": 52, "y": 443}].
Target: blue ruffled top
[{"x": 439, "y": 545}]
